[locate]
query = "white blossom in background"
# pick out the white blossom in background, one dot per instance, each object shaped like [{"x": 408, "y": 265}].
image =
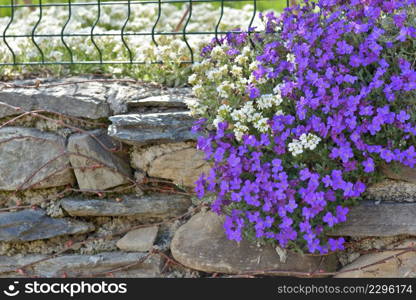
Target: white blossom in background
[{"x": 112, "y": 19}]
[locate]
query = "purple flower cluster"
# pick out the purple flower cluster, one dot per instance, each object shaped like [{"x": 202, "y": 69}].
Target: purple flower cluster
[{"x": 347, "y": 85}]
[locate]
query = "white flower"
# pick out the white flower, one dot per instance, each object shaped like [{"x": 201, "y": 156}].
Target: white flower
[
  {"x": 277, "y": 89},
  {"x": 253, "y": 66},
  {"x": 240, "y": 130},
  {"x": 306, "y": 141},
  {"x": 237, "y": 71},
  {"x": 295, "y": 147},
  {"x": 224, "y": 88},
  {"x": 217, "y": 52},
  {"x": 192, "y": 79},
  {"x": 246, "y": 51},
  {"x": 261, "y": 125},
  {"x": 241, "y": 60},
  {"x": 198, "y": 90},
  {"x": 290, "y": 57}
]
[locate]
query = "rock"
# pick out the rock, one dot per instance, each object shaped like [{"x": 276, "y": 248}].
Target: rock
[
  {"x": 141, "y": 129},
  {"x": 169, "y": 100},
  {"x": 32, "y": 158},
  {"x": 152, "y": 206},
  {"x": 391, "y": 190},
  {"x": 179, "y": 162},
  {"x": 30, "y": 225},
  {"x": 142, "y": 157},
  {"x": 183, "y": 167},
  {"x": 9, "y": 264},
  {"x": 385, "y": 219},
  {"x": 398, "y": 171},
  {"x": 201, "y": 244},
  {"x": 393, "y": 267},
  {"x": 78, "y": 99},
  {"x": 140, "y": 240},
  {"x": 114, "y": 170},
  {"x": 78, "y": 265}
]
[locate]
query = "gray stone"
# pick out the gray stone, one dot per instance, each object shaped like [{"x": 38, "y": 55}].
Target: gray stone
[
  {"x": 141, "y": 129},
  {"x": 79, "y": 100},
  {"x": 392, "y": 266},
  {"x": 169, "y": 100},
  {"x": 113, "y": 169},
  {"x": 78, "y": 265},
  {"x": 398, "y": 171},
  {"x": 385, "y": 219},
  {"x": 10, "y": 264},
  {"x": 32, "y": 158},
  {"x": 179, "y": 162},
  {"x": 30, "y": 225},
  {"x": 151, "y": 206},
  {"x": 201, "y": 244},
  {"x": 391, "y": 190},
  {"x": 140, "y": 240}
]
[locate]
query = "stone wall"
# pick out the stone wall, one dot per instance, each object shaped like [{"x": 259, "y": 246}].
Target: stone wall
[{"x": 96, "y": 179}]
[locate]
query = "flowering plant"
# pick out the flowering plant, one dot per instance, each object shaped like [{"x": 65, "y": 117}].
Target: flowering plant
[{"x": 296, "y": 133}]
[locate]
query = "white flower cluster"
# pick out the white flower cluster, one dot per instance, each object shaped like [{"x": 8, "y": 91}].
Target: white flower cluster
[
  {"x": 309, "y": 141},
  {"x": 219, "y": 80},
  {"x": 269, "y": 101}
]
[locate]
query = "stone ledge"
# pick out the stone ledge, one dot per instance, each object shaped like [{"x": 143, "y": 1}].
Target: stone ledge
[
  {"x": 201, "y": 244},
  {"x": 152, "y": 206},
  {"x": 84, "y": 265},
  {"x": 383, "y": 220},
  {"x": 141, "y": 129},
  {"x": 30, "y": 225}
]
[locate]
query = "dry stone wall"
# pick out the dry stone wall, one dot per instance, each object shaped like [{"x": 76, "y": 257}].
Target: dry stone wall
[{"x": 96, "y": 179}]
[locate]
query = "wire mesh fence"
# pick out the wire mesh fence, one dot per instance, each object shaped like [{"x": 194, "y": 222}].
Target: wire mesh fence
[{"x": 44, "y": 32}]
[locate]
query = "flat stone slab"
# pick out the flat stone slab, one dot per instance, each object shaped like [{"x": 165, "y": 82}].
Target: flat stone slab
[
  {"x": 79, "y": 265},
  {"x": 152, "y": 206},
  {"x": 32, "y": 158},
  {"x": 113, "y": 170},
  {"x": 141, "y": 129},
  {"x": 9, "y": 264},
  {"x": 384, "y": 219},
  {"x": 168, "y": 100},
  {"x": 79, "y": 100},
  {"x": 392, "y": 190},
  {"x": 30, "y": 225},
  {"x": 84, "y": 96},
  {"x": 402, "y": 266},
  {"x": 201, "y": 244},
  {"x": 141, "y": 239}
]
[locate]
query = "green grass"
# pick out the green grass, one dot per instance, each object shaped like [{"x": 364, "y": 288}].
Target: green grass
[{"x": 277, "y": 5}]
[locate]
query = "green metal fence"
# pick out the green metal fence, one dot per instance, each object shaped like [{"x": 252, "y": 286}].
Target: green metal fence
[{"x": 9, "y": 9}]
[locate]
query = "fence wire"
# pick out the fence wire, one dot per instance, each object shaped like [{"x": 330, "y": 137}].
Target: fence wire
[{"x": 11, "y": 12}]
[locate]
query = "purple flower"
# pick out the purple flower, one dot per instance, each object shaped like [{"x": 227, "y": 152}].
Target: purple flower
[
  {"x": 341, "y": 213},
  {"x": 387, "y": 155},
  {"x": 402, "y": 116},
  {"x": 219, "y": 154},
  {"x": 336, "y": 244},
  {"x": 330, "y": 219},
  {"x": 253, "y": 92},
  {"x": 368, "y": 165},
  {"x": 344, "y": 48}
]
